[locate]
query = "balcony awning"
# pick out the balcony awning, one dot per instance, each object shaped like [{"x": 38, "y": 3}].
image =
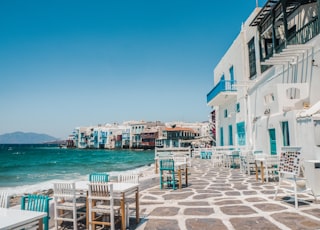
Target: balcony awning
[
  {"x": 291, "y": 5},
  {"x": 265, "y": 11},
  {"x": 289, "y": 55}
]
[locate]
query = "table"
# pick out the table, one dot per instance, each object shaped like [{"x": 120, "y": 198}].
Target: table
[
  {"x": 123, "y": 189},
  {"x": 232, "y": 155},
  {"x": 182, "y": 166},
  {"x": 13, "y": 218},
  {"x": 119, "y": 189},
  {"x": 268, "y": 166}
]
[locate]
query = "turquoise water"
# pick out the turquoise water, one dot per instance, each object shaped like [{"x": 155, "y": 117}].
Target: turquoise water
[{"x": 27, "y": 167}]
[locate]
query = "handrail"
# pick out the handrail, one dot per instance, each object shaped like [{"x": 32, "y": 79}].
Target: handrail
[{"x": 306, "y": 33}]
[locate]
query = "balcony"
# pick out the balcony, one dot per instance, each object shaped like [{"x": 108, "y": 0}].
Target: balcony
[
  {"x": 224, "y": 91},
  {"x": 306, "y": 33},
  {"x": 299, "y": 37}
]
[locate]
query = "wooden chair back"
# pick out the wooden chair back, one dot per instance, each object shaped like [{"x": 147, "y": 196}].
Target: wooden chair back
[
  {"x": 39, "y": 203},
  {"x": 99, "y": 177},
  {"x": 128, "y": 178}
]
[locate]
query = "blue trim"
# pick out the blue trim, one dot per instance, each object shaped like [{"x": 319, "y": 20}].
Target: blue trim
[
  {"x": 241, "y": 133},
  {"x": 273, "y": 142},
  {"x": 222, "y": 86},
  {"x": 221, "y": 137}
]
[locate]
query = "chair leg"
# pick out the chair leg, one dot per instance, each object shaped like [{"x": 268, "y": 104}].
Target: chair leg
[
  {"x": 75, "y": 227},
  {"x": 295, "y": 195},
  {"x": 161, "y": 179},
  {"x": 127, "y": 215},
  {"x": 45, "y": 223},
  {"x": 173, "y": 180}
]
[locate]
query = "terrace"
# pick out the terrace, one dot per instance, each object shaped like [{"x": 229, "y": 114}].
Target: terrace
[{"x": 283, "y": 23}]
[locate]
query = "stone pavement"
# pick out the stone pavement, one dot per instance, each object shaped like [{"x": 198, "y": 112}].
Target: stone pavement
[{"x": 222, "y": 198}]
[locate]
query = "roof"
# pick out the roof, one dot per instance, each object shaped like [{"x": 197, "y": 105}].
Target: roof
[
  {"x": 150, "y": 130},
  {"x": 178, "y": 129}
]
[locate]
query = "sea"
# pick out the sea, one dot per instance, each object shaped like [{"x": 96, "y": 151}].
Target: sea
[{"x": 27, "y": 168}]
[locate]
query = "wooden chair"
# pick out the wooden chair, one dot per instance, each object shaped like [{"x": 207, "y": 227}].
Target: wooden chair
[
  {"x": 160, "y": 156},
  {"x": 68, "y": 206},
  {"x": 128, "y": 178},
  {"x": 102, "y": 210},
  {"x": 249, "y": 163},
  {"x": 271, "y": 167},
  {"x": 4, "y": 200},
  {"x": 99, "y": 177},
  {"x": 167, "y": 169},
  {"x": 39, "y": 203},
  {"x": 217, "y": 159}
]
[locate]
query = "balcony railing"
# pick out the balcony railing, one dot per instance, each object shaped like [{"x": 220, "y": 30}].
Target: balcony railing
[
  {"x": 306, "y": 33},
  {"x": 302, "y": 36},
  {"x": 222, "y": 86}
]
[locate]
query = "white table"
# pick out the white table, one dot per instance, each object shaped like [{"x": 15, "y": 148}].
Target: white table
[
  {"x": 13, "y": 218},
  {"x": 266, "y": 164},
  {"x": 122, "y": 189}
]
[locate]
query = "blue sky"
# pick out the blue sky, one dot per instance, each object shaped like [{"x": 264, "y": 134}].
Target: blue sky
[{"x": 65, "y": 64}]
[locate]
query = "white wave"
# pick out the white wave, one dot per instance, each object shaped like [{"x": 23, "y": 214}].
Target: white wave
[{"x": 46, "y": 185}]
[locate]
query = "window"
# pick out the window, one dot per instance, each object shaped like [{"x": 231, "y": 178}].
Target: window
[
  {"x": 231, "y": 74},
  {"x": 222, "y": 78},
  {"x": 269, "y": 98},
  {"x": 285, "y": 133},
  {"x": 293, "y": 93},
  {"x": 252, "y": 59},
  {"x": 225, "y": 113},
  {"x": 238, "y": 107}
]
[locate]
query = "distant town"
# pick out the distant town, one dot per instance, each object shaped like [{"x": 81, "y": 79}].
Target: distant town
[{"x": 141, "y": 135}]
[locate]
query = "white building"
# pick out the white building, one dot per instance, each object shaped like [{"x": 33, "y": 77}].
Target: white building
[{"x": 265, "y": 93}]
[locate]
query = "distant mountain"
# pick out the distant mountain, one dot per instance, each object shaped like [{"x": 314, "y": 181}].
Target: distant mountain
[{"x": 25, "y": 138}]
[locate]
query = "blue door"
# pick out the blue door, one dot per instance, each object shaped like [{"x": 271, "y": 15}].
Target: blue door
[
  {"x": 273, "y": 144},
  {"x": 221, "y": 137},
  {"x": 241, "y": 133}
]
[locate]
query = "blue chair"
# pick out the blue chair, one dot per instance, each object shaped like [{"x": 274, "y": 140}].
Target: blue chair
[
  {"x": 99, "y": 177},
  {"x": 209, "y": 154},
  {"x": 39, "y": 203},
  {"x": 203, "y": 155},
  {"x": 167, "y": 165}
]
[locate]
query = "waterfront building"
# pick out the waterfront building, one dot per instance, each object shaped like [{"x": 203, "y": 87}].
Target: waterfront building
[
  {"x": 265, "y": 89},
  {"x": 173, "y": 137},
  {"x": 81, "y": 137},
  {"x": 126, "y": 138},
  {"x": 148, "y": 137},
  {"x": 138, "y": 135}
]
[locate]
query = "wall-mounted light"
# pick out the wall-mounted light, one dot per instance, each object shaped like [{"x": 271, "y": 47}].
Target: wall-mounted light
[{"x": 313, "y": 63}]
